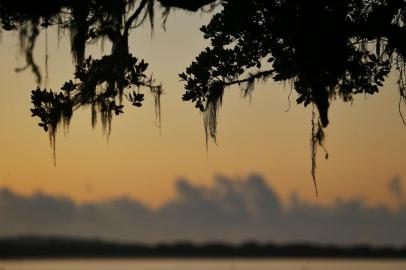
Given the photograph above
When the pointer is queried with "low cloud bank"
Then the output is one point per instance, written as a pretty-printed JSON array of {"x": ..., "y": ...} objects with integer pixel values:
[{"x": 233, "y": 210}]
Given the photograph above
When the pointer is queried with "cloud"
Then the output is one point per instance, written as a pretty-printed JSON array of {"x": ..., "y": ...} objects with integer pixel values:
[{"x": 233, "y": 210}]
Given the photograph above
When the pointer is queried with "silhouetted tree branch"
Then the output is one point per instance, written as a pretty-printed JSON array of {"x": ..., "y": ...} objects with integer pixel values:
[{"x": 327, "y": 49}]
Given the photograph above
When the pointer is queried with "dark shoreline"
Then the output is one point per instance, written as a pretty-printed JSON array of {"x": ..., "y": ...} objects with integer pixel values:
[{"x": 74, "y": 248}]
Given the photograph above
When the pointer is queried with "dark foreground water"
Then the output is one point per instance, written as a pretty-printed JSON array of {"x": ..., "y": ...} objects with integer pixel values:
[{"x": 173, "y": 264}]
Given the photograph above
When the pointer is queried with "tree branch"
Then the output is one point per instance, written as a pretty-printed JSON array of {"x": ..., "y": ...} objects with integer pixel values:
[{"x": 252, "y": 77}]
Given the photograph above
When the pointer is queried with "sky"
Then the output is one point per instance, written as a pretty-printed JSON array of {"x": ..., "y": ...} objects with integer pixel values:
[{"x": 366, "y": 140}]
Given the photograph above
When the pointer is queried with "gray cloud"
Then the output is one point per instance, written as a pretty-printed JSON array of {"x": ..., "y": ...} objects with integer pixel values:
[{"x": 233, "y": 210}]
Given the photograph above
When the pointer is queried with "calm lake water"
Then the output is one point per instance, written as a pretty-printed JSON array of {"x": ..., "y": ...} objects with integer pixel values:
[{"x": 172, "y": 264}]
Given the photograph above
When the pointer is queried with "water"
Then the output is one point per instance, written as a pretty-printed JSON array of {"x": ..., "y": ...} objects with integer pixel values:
[{"x": 198, "y": 264}]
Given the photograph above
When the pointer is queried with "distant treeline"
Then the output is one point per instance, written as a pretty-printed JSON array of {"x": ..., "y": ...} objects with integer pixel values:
[{"x": 59, "y": 247}]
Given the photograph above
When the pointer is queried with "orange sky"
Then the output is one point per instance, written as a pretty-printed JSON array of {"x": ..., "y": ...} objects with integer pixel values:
[{"x": 366, "y": 141}]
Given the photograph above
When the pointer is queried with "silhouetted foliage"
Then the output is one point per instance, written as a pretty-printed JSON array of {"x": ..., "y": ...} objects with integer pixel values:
[
  {"x": 326, "y": 49},
  {"x": 99, "y": 83}
]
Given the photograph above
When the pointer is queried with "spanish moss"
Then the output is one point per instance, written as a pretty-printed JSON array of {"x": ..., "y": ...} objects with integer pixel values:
[
  {"x": 402, "y": 90},
  {"x": 28, "y": 37},
  {"x": 46, "y": 59},
  {"x": 210, "y": 114},
  {"x": 157, "y": 92}
]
